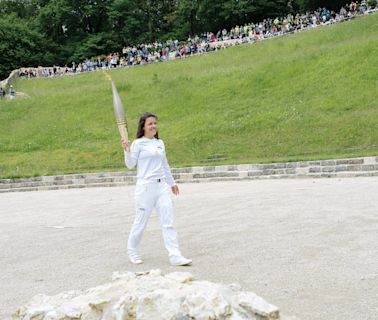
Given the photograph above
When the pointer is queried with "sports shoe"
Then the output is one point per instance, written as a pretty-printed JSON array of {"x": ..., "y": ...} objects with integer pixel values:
[
  {"x": 135, "y": 258},
  {"x": 180, "y": 261}
]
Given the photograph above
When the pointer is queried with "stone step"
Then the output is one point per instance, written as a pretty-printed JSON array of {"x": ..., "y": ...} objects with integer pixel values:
[
  {"x": 195, "y": 180},
  {"x": 285, "y": 176},
  {"x": 65, "y": 182},
  {"x": 65, "y": 187},
  {"x": 355, "y": 167}
]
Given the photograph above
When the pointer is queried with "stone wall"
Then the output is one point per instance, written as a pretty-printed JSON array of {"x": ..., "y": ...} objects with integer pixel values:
[
  {"x": 355, "y": 167},
  {"x": 7, "y": 82}
]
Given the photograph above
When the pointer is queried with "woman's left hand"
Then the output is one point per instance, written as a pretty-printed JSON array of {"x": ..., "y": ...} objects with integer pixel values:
[{"x": 175, "y": 190}]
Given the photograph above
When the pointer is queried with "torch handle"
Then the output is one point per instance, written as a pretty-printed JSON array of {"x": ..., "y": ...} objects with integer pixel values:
[{"x": 122, "y": 127}]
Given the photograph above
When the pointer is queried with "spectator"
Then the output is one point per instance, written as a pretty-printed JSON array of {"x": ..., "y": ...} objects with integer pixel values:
[
  {"x": 343, "y": 12},
  {"x": 12, "y": 93},
  {"x": 2, "y": 93}
]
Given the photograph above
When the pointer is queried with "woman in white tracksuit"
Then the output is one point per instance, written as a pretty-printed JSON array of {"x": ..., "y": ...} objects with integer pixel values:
[{"x": 154, "y": 180}]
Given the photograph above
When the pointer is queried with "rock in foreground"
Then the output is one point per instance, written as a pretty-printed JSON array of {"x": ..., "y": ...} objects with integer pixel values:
[{"x": 151, "y": 295}]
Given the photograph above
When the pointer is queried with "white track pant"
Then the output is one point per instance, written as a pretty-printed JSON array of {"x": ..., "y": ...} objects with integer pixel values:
[{"x": 149, "y": 196}]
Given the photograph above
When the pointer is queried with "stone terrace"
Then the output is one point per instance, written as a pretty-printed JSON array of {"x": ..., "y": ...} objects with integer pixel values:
[{"x": 354, "y": 167}]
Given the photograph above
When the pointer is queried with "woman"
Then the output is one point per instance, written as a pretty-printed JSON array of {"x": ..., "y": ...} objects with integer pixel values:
[{"x": 154, "y": 179}]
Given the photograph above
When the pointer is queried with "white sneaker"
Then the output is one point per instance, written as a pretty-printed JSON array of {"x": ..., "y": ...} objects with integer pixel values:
[
  {"x": 135, "y": 258},
  {"x": 180, "y": 261}
]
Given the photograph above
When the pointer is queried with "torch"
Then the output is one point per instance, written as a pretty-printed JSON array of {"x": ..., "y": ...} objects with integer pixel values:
[{"x": 119, "y": 112}]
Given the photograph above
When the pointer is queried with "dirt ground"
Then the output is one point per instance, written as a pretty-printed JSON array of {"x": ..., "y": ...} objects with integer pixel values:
[{"x": 309, "y": 246}]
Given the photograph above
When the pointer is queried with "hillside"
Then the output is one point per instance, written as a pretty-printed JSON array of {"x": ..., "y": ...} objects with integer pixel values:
[{"x": 312, "y": 95}]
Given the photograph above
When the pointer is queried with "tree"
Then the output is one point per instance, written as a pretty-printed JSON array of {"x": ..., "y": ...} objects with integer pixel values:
[
  {"x": 78, "y": 28},
  {"x": 128, "y": 22},
  {"x": 311, "y": 5},
  {"x": 144, "y": 21},
  {"x": 237, "y": 12},
  {"x": 95, "y": 45},
  {"x": 270, "y": 9},
  {"x": 20, "y": 45},
  {"x": 187, "y": 20},
  {"x": 24, "y": 9},
  {"x": 214, "y": 15}
]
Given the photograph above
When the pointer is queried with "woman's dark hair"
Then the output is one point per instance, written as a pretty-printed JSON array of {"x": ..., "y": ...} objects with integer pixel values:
[{"x": 142, "y": 121}]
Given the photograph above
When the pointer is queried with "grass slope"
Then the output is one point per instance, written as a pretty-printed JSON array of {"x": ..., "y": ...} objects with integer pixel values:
[{"x": 312, "y": 95}]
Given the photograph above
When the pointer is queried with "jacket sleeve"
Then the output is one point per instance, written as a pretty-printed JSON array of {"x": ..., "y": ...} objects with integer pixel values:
[
  {"x": 131, "y": 158},
  {"x": 167, "y": 170}
]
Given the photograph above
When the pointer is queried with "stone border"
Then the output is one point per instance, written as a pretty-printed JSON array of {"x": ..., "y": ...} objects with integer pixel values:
[
  {"x": 353, "y": 167},
  {"x": 7, "y": 82}
]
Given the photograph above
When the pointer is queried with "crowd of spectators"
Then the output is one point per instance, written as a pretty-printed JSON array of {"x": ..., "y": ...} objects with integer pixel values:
[{"x": 207, "y": 42}]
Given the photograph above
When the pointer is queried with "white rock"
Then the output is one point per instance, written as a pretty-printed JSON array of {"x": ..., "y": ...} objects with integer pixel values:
[
  {"x": 123, "y": 275},
  {"x": 183, "y": 277},
  {"x": 150, "y": 295},
  {"x": 257, "y": 305}
]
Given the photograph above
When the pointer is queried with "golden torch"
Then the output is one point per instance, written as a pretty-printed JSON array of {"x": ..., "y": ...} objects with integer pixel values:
[{"x": 119, "y": 113}]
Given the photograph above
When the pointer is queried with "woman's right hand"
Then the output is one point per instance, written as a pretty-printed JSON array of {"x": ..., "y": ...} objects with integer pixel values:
[{"x": 125, "y": 145}]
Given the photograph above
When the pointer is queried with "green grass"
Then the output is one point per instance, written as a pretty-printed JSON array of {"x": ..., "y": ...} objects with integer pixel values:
[{"x": 312, "y": 95}]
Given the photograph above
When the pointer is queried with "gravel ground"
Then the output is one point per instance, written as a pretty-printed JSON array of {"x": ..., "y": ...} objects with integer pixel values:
[{"x": 309, "y": 246}]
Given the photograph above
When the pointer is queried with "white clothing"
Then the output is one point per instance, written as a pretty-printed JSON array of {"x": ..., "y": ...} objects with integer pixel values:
[
  {"x": 147, "y": 196},
  {"x": 152, "y": 191},
  {"x": 149, "y": 156}
]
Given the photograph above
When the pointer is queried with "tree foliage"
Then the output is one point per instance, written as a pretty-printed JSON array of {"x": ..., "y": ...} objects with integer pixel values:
[
  {"x": 332, "y": 5},
  {"x": 20, "y": 43}
]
